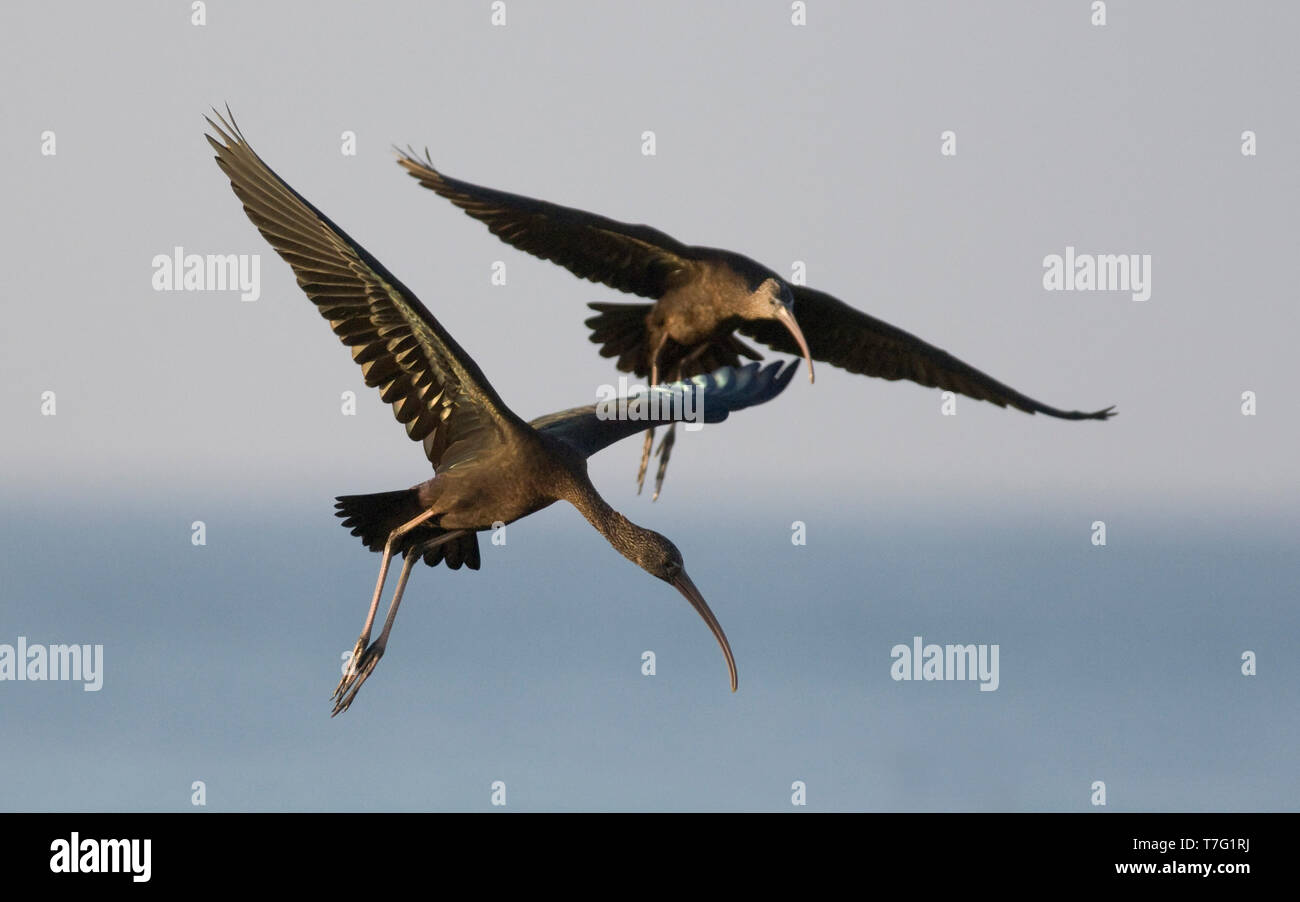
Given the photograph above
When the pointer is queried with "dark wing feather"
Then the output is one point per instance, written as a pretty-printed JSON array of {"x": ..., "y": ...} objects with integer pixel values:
[
  {"x": 436, "y": 390},
  {"x": 848, "y": 338},
  {"x": 708, "y": 398},
  {"x": 632, "y": 258}
]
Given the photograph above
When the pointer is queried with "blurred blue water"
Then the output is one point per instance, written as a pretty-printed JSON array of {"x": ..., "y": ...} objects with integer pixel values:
[{"x": 1119, "y": 664}]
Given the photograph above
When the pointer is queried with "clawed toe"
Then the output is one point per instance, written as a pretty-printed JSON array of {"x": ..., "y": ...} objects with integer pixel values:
[
  {"x": 357, "y": 673},
  {"x": 645, "y": 460},
  {"x": 350, "y": 671}
]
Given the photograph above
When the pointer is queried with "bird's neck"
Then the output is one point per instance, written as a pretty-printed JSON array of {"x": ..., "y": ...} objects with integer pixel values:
[{"x": 619, "y": 530}]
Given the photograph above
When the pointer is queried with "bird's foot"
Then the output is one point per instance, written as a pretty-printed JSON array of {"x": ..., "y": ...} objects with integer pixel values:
[
  {"x": 665, "y": 451},
  {"x": 351, "y": 670},
  {"x": 645, "y": 460},
  {"x": 357, "y": 675}
]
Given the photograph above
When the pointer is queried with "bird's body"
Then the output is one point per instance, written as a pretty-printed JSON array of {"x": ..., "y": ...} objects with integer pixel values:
[
  {"x": 518, "y": 477},
  {"x": 695, "y": 311},
  {"x": 490, "y": 467},
  {"x": 526, "y": 472},
  {"x": 704, "y": 296},
  {"x": 682, "y": 335}
]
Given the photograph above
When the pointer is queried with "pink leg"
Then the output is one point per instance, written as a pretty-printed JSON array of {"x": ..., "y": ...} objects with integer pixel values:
[
  {"x": 364, "y": 640},
  {"x": 364, "y": 664}
]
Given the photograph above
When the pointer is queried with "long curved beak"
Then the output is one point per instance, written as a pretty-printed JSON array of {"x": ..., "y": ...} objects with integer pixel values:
[
  {"x": 786, "y": 318},
  {"x": 687, "y": 588}
]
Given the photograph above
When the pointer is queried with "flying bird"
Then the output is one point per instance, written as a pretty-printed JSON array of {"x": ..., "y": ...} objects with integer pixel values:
[
  {"x": 703, "y": 297},
  {"x": 489, "y": 465}
]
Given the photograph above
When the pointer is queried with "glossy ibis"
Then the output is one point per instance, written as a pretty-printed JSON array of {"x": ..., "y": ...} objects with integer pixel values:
[
  {"x": 703, "y": 296},
  {"x": 490, "y": 466}
]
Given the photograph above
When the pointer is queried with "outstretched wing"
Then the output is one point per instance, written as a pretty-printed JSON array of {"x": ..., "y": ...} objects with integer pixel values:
[
  {"x": 848, "y": 338},
  {"x": 708, "y": 398},
  {"x": 631, "y": 258},
  {"x": 436, "y": 390}
]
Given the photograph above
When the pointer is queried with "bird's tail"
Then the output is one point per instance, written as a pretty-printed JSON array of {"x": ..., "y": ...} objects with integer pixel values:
[
  {"x": 374, "y": 517},
  {"x": 620, "y": 330}
]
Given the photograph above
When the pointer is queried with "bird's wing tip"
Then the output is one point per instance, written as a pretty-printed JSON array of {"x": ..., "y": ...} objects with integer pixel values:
[
  {"x": 225, "y": 126},
  {"x": 410, "y": 158}
]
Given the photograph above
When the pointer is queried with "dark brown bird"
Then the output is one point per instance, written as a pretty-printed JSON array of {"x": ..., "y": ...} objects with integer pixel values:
[
  {"x": 490, "y": 466},
  {"x": 703, "y": 297}
]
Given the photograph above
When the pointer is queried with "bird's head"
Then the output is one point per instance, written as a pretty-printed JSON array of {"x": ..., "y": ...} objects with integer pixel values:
[
  {"x": 773, "y": 299},
  {"x": 658, "y": 556}
]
